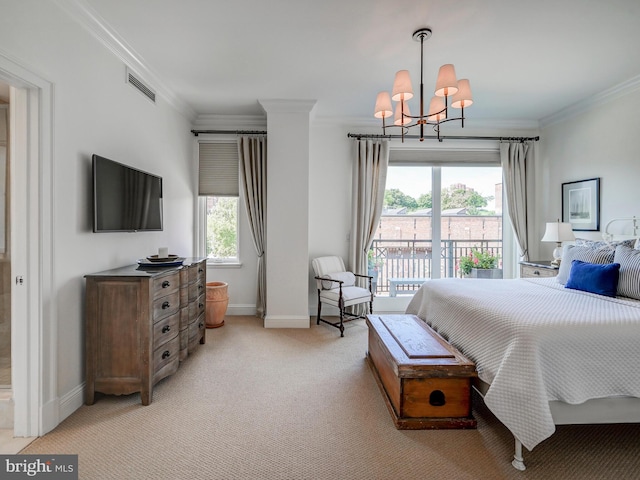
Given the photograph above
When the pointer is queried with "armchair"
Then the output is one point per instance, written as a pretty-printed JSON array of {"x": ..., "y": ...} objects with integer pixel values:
[{"x": 339, "y": 288}]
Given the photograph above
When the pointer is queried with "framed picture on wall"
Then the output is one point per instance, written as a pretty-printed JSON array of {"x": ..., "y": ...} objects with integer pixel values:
[{"x": 581, "y": 204}]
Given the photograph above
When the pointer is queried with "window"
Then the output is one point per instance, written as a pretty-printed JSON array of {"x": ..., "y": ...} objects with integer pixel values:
[
  {"x": 434, "y": 215},
  {"x": 221, "y": 227},
  {"x": 219, "y": 206}
]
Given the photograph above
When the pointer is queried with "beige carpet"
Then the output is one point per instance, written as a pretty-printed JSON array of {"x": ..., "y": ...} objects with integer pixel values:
[{"x": 257, "y": 403}]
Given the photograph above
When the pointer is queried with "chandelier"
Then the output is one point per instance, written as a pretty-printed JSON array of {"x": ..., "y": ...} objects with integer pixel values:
[{"x": 448, "y": 89}]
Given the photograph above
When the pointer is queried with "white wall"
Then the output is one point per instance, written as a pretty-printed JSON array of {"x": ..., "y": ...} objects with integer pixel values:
[
  {"x": 600, "y": 141},
  {"x": 95, "y": 111}
]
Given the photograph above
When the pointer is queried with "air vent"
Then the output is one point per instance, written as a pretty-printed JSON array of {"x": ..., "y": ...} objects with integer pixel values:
[{"x": 147, "y": 91}]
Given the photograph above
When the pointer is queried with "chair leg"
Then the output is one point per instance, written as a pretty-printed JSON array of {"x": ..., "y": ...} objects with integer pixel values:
[{"x": 319, "y": 309}]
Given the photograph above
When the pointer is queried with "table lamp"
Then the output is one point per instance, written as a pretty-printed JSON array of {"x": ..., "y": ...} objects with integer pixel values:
[{"x": 558, "y": 232}]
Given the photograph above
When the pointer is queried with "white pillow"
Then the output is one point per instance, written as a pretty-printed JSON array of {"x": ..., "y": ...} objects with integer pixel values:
[
  {"x": 585, "y": 254},
  {"x": 629, "y": 275},
  {"x": 583, "y": 242},
  {"x": 348, "y": 278}
]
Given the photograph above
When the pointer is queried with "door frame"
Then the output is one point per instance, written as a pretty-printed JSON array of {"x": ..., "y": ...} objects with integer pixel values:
[{"x": 33, "y": 322}]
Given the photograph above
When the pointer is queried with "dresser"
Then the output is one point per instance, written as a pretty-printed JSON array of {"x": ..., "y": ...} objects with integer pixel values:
[
  {"x": 140, "y": 323},
  {"x": 537, "y": 269}
]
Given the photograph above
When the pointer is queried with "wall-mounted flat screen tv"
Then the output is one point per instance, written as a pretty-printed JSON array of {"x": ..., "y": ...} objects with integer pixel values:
[{"x": 125, "y": 199}]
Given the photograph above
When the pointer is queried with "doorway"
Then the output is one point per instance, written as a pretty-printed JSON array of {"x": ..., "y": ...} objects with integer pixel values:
[
  {"x": 33, "y": 327},
  {"x": 6, "y": 396}
]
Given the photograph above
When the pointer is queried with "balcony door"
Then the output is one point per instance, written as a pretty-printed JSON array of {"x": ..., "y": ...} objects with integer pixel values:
[{"x": 433, "y": 215}]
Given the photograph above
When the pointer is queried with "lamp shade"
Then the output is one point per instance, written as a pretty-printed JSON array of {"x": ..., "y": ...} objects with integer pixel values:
[
  {"x": 383, "y": 105},
  {"x": 463, "y": 97},
  {"x": 401, "y": 109},
  {"x": 402, "y": 89},
  {"x": 437, "y": 111},
  {"x": 446, "y": 84},
  {"x": 558, "y": 232}
]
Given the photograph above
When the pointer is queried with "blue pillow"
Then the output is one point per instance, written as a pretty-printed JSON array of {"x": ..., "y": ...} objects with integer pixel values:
[{"x": 594, "y": 277}]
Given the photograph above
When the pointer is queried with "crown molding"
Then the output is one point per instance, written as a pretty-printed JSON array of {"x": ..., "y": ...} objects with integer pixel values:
[
  {"x": 284, "y": 105},
  {"x": 617, "y": 91},
  {"x": 87, "y": 17},
  {"x": 232, "y": 122}
]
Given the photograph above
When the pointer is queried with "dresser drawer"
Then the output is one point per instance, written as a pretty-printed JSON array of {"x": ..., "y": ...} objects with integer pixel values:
[
  {"x": 166, "y": 354},
  {"x": 196, "y": 308},
  {"x": 200, "y": 304},
  {"x": 184, "y": 295},
  {"x": 184, "y": 317},
  {"x": 165, "y": 306},
  {"x": 194, "y": 291},
  {"x": 193, "y": 273},
  {"x": 166, "y": 284},
  {"x": 530, "y": 271},
  {"x": 196, "y": 332},
  {"x": 165, "y": 329}
]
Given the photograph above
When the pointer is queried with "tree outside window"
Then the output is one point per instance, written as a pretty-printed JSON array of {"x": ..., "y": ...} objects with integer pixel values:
[{"x": 222, "y": 228}]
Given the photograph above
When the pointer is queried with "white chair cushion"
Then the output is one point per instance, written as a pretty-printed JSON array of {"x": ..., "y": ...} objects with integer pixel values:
[
  {"x": 350, "y": 295},
  {"x": 348, "y": 278}
]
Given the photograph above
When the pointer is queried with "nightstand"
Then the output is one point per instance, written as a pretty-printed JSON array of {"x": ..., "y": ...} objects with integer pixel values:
[{"x": 537, "y": 269}]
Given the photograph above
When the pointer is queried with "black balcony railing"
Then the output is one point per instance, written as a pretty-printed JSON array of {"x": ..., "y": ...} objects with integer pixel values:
[{"x": 411, "y": 259}]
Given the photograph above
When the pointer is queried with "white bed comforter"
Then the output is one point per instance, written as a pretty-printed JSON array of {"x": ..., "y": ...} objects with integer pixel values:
[{"x": 534, "y": 341}]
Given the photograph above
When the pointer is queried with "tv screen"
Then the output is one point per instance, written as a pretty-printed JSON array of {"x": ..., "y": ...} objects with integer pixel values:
[{"x": 125, "y": 199}]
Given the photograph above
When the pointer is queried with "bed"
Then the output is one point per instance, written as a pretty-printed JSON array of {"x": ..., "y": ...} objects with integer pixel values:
[{"x": 545, "y": 354}]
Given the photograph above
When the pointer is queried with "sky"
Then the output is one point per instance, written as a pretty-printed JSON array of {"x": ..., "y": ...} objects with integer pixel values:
[{"x": 415, "y": 181}]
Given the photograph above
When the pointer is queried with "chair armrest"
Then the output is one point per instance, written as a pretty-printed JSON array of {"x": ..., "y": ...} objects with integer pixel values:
[
  {"x": 327, "y": 279},
  {"x": 320, "y": 279},
  {"x": 363, "y": 276},
  {"x": 369, "y": 282}
]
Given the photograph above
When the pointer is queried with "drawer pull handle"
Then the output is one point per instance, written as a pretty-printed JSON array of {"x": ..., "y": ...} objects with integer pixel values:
[
  {"x": 200, "y": 287},
  {"x": 166, "y": 354},
  {"x": 165, "y": 305},
  {"x": 166, "y": 284},
  {"x": 536, "y": 272},
  {"x": 201, "y": 305},
  {"x": 166, "y": 328},
  {"x": 437, "y": 398},
  {"x": 200, "y": 270},
  {"x": 200, "y": 325}
]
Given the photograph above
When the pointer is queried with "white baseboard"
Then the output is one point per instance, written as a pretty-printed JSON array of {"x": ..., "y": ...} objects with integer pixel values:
[
  {"x": 50, "y": 416},
  {"x": 241, "y": 309},
  {"x": 6, "y": 409},
  {"x": 286, "y": 321},
  {"x": 72, "y": 401}
]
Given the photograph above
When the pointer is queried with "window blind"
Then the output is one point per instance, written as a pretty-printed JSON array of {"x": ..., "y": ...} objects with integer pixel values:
[
  {"x": 218, "y": 169},
  {"x": 441, "y": 157}
]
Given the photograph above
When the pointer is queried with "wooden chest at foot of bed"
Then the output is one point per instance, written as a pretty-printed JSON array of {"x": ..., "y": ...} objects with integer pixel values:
[{"x": 426, "y": 383}]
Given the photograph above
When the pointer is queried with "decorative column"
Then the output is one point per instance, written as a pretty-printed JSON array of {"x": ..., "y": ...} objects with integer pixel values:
[{"x": 287, "y": 260}]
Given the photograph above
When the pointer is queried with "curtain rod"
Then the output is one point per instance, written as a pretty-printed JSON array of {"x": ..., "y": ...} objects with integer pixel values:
[
  {"x": 442, "y": 137},
  {"x": 223, "y": 132}
]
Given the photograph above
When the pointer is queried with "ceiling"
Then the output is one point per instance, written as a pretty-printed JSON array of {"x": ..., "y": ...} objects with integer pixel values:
[{"x": 525, "y": 60}]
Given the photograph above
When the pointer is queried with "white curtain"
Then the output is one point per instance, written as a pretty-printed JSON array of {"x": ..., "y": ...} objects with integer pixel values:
[
  {"x": 368, "y": 184},
  {"x": 518, "y": 175},
  {"x": 252, "y": 153}
]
